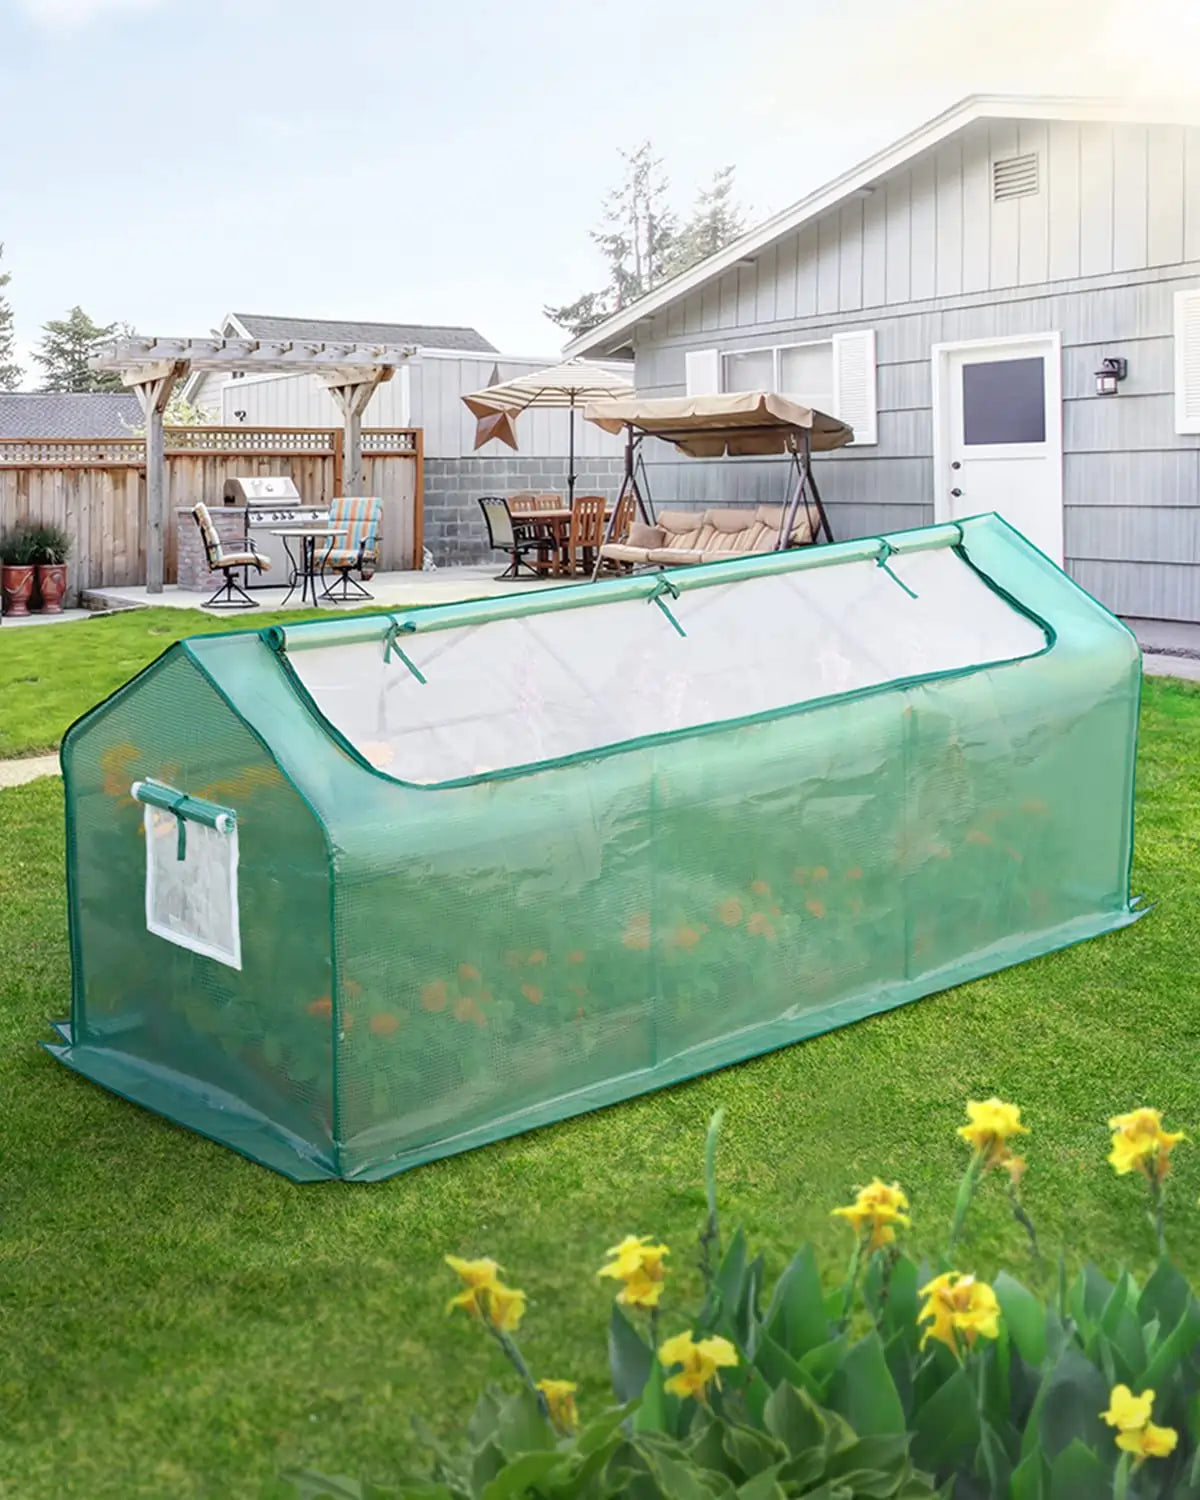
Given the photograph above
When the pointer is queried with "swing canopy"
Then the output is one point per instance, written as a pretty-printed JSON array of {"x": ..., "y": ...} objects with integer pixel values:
[
  {"x": 737, "y": 424},
  {"x": 353, "y": 894}
]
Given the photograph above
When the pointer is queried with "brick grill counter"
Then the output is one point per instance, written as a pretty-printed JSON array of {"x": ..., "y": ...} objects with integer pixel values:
[{"x": 192, "y": 571}]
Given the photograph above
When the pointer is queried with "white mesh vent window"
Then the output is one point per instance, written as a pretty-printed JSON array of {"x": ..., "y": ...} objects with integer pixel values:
[
  {"x": 1015, "y": 177},
  {"x": 192, "y": 878}
]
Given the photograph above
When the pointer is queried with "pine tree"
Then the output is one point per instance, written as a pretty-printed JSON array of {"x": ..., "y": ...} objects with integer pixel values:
[
  {"x": 716, "y": 221},
  {"x": 10, "y": 370},
  {"x": 636, "y": 238},
  {"x": 641, "y": 239},
  {"x": 64, "y": 351}
]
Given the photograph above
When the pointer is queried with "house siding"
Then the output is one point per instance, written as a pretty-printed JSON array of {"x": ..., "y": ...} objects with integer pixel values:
[
  {"x": 1096, "y": 255},
  {"x": 436, "y": 387}
]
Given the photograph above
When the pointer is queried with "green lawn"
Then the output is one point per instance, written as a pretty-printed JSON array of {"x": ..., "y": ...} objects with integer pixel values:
[
  {"x": 175, "y": 1322},
  {"x": 50, "y": 674}
]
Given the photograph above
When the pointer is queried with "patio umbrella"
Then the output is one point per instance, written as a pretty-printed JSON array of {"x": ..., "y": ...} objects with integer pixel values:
[{"x": 563, "y": 386}]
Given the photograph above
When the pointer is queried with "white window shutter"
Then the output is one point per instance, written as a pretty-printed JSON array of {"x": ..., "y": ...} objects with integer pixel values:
[
  {"x": 854, "y": 383},
  {"x": 1187, "y": 361},
  {"x": 703, "y": 372}
]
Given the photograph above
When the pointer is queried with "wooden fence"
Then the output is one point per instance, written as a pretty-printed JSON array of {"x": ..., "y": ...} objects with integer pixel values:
[{"x": 96, "y": 489}]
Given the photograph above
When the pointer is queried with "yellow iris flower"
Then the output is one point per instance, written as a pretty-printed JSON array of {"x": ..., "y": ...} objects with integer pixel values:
[
  {"x": 1136, "y": 1433},
  {"x": 992, "y": 1124},
  {"x": 485, "y": 1295},
  {"x": 701, "y": 1361},
  {"x": 639, "y": 1264},
  {"x": 560, "y": 1399},
  {"x": 877, "y": 1208},
  {"x": 1126, "y": 1411},
  {"x": 958, "y": 1307},
  {"x": 1140, "y": 1144}
]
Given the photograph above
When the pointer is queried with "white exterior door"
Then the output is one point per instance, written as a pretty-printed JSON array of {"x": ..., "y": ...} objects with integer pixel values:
[{"x": 997, "y": 413}]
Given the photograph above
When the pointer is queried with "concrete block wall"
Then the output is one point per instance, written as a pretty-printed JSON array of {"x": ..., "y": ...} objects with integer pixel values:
[{"x": 454, "y": 529}]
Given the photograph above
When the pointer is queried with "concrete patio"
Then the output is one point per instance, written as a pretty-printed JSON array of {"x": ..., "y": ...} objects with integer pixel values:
[{"x": 388, "y": 591}]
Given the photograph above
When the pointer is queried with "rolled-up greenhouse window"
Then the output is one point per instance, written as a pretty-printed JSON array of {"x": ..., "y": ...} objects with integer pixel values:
[{"x": 192, "y": 809}]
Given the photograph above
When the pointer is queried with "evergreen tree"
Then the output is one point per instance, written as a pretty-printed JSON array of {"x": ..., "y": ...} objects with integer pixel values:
[
  {"x": 716, "y": 221},
  {"x": 10, "y": 370},
  {"x": 65, "y": 349},
  {"x": 641, "y": 240},
  {"x": 636, "y": 238}
]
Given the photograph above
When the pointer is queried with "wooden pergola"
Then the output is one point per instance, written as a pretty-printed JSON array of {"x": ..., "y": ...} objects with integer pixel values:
[{"x": 153, "y": 367}]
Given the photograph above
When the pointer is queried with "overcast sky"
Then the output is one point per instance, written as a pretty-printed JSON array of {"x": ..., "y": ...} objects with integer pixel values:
[{"x": 163, "y": 162}]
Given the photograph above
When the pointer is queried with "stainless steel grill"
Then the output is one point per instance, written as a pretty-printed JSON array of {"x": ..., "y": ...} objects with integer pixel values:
[{"x": 271, "y": 500}]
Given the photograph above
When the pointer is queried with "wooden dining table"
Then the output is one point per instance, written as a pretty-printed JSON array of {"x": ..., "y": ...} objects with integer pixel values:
[{"x": 558, "y": 522}]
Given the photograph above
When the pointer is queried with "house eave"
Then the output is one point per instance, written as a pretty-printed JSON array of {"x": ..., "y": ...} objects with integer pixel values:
[{"x": 617, "y": 331}]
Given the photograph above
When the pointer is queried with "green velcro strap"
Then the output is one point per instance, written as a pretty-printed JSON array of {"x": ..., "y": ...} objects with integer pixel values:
[
  {"x": 886, "y": 551},
  {"x": 663, "y": 585},
  {"x": 185, "y": 809},
  {"x": 390, "y": 648}
]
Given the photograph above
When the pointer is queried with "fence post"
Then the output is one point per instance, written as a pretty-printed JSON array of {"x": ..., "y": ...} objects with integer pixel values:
[{"x": 419, "y": 497}]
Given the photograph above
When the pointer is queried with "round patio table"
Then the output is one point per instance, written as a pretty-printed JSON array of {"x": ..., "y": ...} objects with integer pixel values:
[{"x": 305, "y": 568}]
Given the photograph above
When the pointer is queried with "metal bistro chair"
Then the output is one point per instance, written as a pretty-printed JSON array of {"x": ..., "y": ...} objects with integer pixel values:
[
  {"x": 513, "y": 538},
  {"x": 228, "y": 563},
  {"x": 358, "y": 551}
]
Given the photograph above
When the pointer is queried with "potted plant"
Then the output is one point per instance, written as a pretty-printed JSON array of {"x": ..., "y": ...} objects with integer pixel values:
[
  {"x": 50, "y": 547},
  {"x": 16, "y": 569}
]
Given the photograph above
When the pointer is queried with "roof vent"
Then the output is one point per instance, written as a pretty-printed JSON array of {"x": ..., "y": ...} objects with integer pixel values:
[{"x": 1015, "y": 177}]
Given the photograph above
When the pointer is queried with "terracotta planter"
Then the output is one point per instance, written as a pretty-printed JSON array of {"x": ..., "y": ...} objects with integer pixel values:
[
  {"x": 16, "y": 579},
  {"x": 52, "y": 585}
]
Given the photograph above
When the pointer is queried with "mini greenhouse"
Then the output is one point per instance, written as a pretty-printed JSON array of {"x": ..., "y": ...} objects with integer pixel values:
[{"x": 354, "y": 894}]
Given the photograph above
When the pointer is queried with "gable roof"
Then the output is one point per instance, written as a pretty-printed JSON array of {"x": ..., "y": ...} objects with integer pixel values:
[
  {"x": 336, "y": 331},
  {"x": 99, "y": 414},
  {"x": 614, "y": 332}
]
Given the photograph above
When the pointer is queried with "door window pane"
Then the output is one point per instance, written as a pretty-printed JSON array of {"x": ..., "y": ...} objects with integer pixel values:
[
  {"x": 1004, "y": 401},
  {"x": 753, "y": 370},
  {"x": 806, "y": 375}
]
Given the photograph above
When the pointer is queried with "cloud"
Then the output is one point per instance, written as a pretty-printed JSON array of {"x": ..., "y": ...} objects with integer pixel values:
[{"x": 66, "y": 15}]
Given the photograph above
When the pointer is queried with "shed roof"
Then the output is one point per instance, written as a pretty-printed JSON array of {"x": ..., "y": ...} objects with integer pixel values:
[
  {"x": 339, "y": 331},
  {"x": 92, "y": 414}
]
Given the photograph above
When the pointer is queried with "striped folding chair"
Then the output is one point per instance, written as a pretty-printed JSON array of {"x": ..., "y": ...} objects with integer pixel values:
[
  {"x": 356, "y": 552},
  {"x": 228, "y": 563}
]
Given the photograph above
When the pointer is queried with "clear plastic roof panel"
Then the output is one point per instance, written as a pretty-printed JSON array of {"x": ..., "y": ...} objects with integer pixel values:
[{"x": 508, "y": 693}]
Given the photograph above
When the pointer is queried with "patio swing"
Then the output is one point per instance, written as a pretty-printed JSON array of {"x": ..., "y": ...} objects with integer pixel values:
[{"x": 736, "y": 425}]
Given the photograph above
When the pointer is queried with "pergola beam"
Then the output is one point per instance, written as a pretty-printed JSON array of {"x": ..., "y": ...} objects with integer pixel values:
[
  {"x": 290, "y": 356},
  {"x": 152, "y": 366},
  {"x": 352, "y": 391}
]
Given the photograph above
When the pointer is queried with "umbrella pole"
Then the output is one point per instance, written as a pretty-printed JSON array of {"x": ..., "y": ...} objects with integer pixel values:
[{"x": 571, "y": 454}]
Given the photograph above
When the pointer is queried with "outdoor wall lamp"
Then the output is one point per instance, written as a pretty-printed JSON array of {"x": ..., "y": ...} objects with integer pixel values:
[{"x": 1109, "y": 376}]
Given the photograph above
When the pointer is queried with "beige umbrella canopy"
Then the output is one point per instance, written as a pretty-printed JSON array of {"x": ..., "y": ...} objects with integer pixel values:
[{"x": 562, "y": 386}]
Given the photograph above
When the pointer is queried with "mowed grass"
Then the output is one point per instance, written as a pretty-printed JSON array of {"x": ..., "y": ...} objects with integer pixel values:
[
  {"x": 175, "y": 1321},
  {"x": 50, "y": 674}
]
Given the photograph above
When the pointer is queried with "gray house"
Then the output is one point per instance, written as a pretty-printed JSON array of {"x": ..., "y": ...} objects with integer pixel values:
[{"x": 962, "y": 299}]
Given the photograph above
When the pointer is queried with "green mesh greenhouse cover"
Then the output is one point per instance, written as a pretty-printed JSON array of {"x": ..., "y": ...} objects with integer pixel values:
[{"x": 359, "y": 893}]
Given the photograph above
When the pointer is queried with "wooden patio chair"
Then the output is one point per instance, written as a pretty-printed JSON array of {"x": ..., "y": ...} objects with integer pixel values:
[
  {"x": 228, "y": 563},
  {"x": 621, "y": 521},
  {"x": 586, "y": 535},
  {"x": 356, "y": 552}
]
